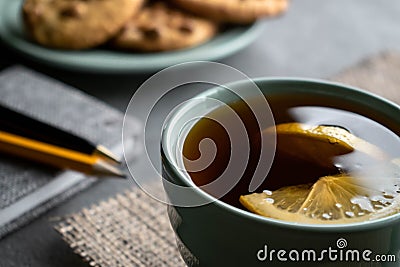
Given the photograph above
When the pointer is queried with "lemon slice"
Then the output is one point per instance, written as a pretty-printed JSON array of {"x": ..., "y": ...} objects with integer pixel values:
[
  {"x": 341, "y": 198},
  {"x": 332, "y": 199},
  {"x": 319, "y": 144}
]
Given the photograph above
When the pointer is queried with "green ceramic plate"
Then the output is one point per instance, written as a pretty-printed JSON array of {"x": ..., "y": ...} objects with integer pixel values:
[{"x": 102, "y": 60}]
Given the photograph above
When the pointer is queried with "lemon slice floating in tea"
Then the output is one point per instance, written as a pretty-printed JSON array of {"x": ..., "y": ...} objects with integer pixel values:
[
  {"x": 319, "y": 144},
  {"x": 332, "y": 199}
]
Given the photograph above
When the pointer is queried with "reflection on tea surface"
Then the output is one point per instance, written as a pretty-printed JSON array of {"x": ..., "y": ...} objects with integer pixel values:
[{"x": 332, "y": 164}]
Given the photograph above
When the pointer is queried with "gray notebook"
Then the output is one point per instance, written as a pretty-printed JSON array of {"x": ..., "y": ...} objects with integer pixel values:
[{"x": 28, "y": 189}]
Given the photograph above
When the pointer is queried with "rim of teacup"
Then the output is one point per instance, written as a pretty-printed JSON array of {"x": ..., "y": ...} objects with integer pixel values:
[{"x": 352, "y": 93}]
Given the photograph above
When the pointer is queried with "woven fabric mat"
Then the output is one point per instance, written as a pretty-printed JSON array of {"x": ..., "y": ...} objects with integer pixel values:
[
  {"x": 132, "y": 229},
  {"x": 379, "y": 75}
]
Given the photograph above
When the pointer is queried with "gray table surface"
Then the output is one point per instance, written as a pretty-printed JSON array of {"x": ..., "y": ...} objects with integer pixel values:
[{"x": 314, "y": 39}]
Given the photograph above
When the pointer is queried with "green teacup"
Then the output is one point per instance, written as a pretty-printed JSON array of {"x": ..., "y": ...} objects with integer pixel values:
[{"x": 219, "y": 234}]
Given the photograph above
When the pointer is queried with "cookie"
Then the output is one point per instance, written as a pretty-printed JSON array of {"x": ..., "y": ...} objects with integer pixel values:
[
  {"x": 161, "y": 27},
  {"x": 76, "y": 24},
  {"x": 233, "y": 11}
]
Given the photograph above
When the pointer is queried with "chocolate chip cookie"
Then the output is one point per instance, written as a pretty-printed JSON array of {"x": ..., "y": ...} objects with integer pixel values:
[
  {"x": 234, "y": 11},
  {"x": 76, "y": 24},
  {"x": 161, "y": 27}
]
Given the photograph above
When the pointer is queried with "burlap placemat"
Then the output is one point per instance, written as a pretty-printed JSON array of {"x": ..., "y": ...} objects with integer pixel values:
[
  {"x": 379, "y": 75},
  {"x": 132, "y": 229}
]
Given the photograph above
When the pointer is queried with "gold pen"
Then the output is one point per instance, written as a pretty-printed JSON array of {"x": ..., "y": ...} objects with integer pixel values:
[{"x": 56, "y": 156}]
